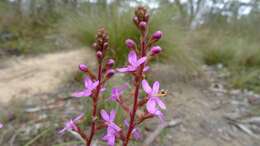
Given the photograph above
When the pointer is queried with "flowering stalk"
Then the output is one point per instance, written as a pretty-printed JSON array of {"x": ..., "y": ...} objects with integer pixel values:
[{"x": 138, "y": 59}]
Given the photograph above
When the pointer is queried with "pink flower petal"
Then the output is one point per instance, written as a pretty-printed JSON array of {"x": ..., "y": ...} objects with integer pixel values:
[
  {"x": 156, "y": 86},
  {"x": 137, "y": 134},
  {"x": 62, "y": 131},
  {"x": 1, "y": 125},
  {"x": 78, "y": 94},
  {"x": 124, "y": 69},
  {"x": 146, "y": 68},
  {"x": 141, "y": 61},
  {"x": 114, "y": 126},
  {"x": 104, "y": 115},
  {"x": 131, "y": 68},
  {"x": 111, "y": 140},
  {"x": 112, "y": 115},
  {"x": 87, "y": 82},
  {"x": 160, "y": 115},
  {"x": 151, "y": 106},
  {"x": 80, "y": 116},
  {"x": 146, "y": 87},
  {"x": 160, "y": 103},
  {"x": 132, "y": 58},
  {"x": 94, "y": 85}
]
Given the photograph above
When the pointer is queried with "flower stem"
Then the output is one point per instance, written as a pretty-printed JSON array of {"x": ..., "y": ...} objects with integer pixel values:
[
  {"x": 138, "y": 80},
  {"x": 94, "y": 106}
]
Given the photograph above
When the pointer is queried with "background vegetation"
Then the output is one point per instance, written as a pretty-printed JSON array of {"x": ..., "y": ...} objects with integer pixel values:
[{"x": 196, "y": 31}]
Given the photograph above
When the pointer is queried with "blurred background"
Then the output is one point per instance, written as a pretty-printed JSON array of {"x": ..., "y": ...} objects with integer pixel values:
[{"x": 210, "y": 58}]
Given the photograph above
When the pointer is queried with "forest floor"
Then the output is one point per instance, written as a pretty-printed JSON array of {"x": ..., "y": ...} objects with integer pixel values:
[{"x": 210, "y": 112}]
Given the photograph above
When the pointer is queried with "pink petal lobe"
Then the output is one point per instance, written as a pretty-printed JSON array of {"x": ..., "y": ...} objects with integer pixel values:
[
  {"x": 146, "y": 87},
  {"x": 104, "y": 115},
  {"x": 80, "y": 116},
  {"x": 141, "y": 61},
  {"x": 132, "y": 58},
  {"x": 87, "y": 82},
  {"x": 112, "y": 115},
  {"x": 111, "y": 140},
  {"x": 160, "y": 103},
  {"x": 114, "y": 126},
  {"x": 146, "y": 68},
  {"x": 94, "y": 85},
  {"x": 156, "y": 86},
  {"x": 151, "y": 106},
  {"x": 124, "y": 69},
  {"x": 160, "y": 115},
  {"x": 78, "y": 94}
]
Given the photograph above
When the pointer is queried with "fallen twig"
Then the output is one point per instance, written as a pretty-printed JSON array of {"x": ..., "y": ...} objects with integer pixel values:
[
  {"x": 37, "y": 137},
  {"x": 242, "y": 127},
  {"x": 148, "y": 141}
]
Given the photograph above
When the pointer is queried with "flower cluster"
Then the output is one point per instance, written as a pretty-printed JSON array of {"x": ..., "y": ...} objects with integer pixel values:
[{"x": 149, "y": 104}]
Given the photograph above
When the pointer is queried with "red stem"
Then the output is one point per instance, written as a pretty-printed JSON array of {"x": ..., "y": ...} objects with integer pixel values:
[
  {"x": 138, "y": 79},
  {"x": 94, "y": 106}
]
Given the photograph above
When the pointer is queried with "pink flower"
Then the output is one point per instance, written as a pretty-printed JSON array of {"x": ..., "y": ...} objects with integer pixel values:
[
  {"x": 117, "y": 92},
  {"x": 112, "y": 128},
  {"x": 136, "y": 132},
  {"x": 134, "y": 62},
  {"x": 154, "y": 99},
  {"x": 110, "y": 137},
  {"x": 89, "y": 87},
  {"x": 70, "y": 125},
  {"x": 109, "y": 120},
  {"x": 1, "y": 125}
]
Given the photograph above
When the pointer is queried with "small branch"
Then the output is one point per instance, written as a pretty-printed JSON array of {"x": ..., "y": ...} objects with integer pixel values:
[{"x": 148, "y": 141}]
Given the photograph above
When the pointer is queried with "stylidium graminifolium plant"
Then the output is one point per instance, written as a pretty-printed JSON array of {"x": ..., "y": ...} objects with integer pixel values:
[{"x": 148, "y": 106}]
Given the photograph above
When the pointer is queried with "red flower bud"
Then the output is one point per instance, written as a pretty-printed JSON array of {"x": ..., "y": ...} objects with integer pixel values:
[
  {"x": 83, "y": 67},
  {"x": 156, "y": 50},
  {"x": 157, "y": 35},
  {"x": 135, "y": 19},
  {"x": 99, "y": 54},
  {"x": 143, "y": 25},
  {"x": 110, "y": 63},
  {"x": 110, "y": 73},
  {"x": 130, "y": 44},
  {"x": 105, "y": 45}
]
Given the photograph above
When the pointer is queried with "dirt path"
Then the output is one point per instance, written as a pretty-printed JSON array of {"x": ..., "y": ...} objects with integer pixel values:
[
  {"x": 203, "y": 113},
  {"x": 25, "y": 77}
]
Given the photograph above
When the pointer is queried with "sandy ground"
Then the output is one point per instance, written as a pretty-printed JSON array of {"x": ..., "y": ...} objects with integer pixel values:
[
  {"x": 201, "y": 111},
  {"x": 24, "y": 77}
]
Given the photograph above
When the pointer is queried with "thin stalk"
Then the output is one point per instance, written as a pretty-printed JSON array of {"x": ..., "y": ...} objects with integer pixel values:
[
  {"x": 138, "y": 79},
  {"x": 94, "y": 107}
]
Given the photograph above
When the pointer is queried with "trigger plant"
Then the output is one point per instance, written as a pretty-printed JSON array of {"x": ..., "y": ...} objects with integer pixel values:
[{"x": 143, "y": 100}]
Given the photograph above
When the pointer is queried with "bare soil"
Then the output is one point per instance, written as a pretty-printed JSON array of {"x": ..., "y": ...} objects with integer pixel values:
[
  {"x": 202, "y": 112},
  {"x": 26, "y": 77}
]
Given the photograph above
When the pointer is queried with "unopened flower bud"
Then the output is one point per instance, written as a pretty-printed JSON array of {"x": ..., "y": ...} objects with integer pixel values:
[
  {"x": 105, "y": 45},
  {"x": 135, "y": 19},
  {"x": 110, "y": 73},
  {"x": 94, "y": 45},
  {"x": 146, "y": 17},
  {"x": 155, "y": 50},
  {"x": 110, "y": 62},
  {"x": 130, "y": 44},
  {"x": 143, "y": 25},
  {"x": 83, "y": 67},
  {"x": 99, "y": 54},
  {"x": 157, "y": 35}
]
